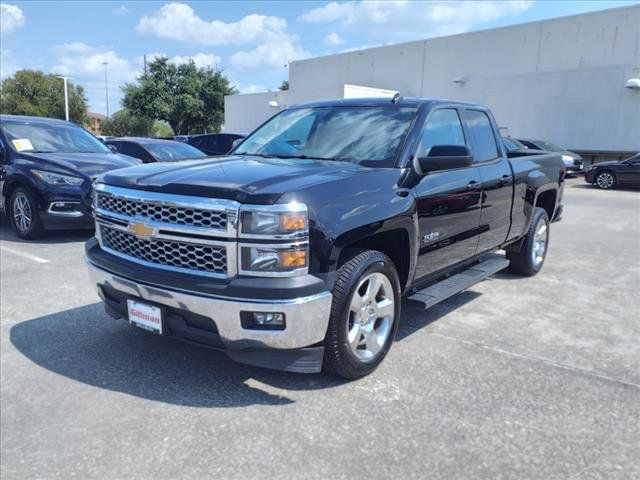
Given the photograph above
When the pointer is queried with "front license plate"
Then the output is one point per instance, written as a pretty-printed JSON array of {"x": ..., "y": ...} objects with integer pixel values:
[{"x": 145, "y": 316}]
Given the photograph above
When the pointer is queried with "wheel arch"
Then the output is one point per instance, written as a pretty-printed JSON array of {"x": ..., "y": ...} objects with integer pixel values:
[{"x": 397, "y": 243}]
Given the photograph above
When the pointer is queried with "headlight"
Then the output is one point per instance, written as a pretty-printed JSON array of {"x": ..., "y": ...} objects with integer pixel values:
[
  {"x": 56, "y": 178},
  {"x": 273, "y": 260},
  {"x": 275, "y": 221},
  {"x": 567, "y": 159}
]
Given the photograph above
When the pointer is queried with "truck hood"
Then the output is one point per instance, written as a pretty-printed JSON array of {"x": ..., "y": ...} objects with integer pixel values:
[
  {"x": 87, "y": 164},
  {"x": 245, "y": 179}
]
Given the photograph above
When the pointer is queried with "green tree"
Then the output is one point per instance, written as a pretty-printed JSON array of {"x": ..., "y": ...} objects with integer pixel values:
[
  {"x": 31, "y": 92},
  {"x": 188, "y": 98},
  {"x": 124, "y": 123},
  {"x": 284, "y": 85},
  {"x": 161, "y": 129}
]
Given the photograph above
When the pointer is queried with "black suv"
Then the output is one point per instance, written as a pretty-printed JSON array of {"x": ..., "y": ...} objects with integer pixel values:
[{"x": 46, "y": 170}]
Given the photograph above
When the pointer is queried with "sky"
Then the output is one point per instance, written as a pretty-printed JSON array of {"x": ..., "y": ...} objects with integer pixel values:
[{"x": 252, "y": 42}]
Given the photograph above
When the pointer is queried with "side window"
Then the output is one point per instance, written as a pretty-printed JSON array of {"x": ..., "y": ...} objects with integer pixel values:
[
  {"x": 212, "y": 144},
  {"x": 484, "y": 141},
  {"x": 225, "y": 143},
  {"x": 131, "y": 149},
  {"x": 443, "y": 127}
]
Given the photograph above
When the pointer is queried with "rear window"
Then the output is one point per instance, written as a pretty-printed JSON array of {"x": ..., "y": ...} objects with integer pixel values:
[{"x": 484, "y": 141}]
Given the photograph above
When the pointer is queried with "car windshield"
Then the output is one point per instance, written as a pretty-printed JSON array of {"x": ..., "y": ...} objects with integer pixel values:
[
  {"x": 51, "y": 138},
  {"x": 369, "y": 136},
  {"x": 173, "y": 151},
  {"x": 549, "y": 147}
]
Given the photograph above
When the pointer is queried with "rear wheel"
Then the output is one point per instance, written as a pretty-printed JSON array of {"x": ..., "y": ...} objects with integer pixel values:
[
  {"x": 364, "y": 315},
  {"x": 23, "y": 214},
  {"x": 605, "y": 180},
  {"x": 529, "y": 260}
]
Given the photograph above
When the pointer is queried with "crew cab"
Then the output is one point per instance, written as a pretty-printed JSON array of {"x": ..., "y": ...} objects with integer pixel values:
[
  {"x": 46, "y": 169},
  {"x": 294, "y": 251}
]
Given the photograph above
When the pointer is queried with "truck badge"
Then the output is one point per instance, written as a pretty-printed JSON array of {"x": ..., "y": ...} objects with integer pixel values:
[{"x": 141, "y": 229}]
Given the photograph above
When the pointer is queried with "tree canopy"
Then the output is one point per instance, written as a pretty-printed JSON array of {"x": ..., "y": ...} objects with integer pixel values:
[
  {"x": 190, "y": 99},
  {"x": 284, "y": 85},
  {"x": 124, "y": 123},
  {"x": 32, "y": 92}
]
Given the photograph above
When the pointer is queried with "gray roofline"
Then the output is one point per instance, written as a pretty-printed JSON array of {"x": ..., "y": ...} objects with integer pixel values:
[{"x": 471, "y": 32}]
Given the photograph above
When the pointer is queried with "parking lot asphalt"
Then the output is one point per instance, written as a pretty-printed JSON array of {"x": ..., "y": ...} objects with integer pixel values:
[{"x": 515, "y": 378}]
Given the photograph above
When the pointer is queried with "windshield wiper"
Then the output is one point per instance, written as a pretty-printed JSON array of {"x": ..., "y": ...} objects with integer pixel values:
[{"x": 303, "y": 157}]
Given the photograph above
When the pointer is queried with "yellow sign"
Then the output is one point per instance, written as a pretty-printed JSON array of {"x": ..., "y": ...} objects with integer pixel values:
[{"x": 22, "y": 144}]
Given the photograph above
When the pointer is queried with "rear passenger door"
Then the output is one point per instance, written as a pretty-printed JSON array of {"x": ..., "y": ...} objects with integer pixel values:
[
  {"x": 496, "y": 179},
  {"x": 448, "y": 202}
]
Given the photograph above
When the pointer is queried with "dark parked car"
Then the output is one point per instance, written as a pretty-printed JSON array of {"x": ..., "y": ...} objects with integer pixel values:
[
  {"x": 572, "y": 161},
  {"x": 515, "y": 148},
  {"x": 154, "y": 150},
  {"x": 215, "y": 143},
  {"x": 46, "y": 170},
  {"x": 606, "y": 175},
  {"x": 294, "y": 252}
]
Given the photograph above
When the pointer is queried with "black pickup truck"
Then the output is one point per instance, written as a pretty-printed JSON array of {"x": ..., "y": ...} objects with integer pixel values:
[{"x": 294, "y": 251}]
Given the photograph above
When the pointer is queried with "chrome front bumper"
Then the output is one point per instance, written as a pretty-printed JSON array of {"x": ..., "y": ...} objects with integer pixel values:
[{"x": 307, "y": 318}]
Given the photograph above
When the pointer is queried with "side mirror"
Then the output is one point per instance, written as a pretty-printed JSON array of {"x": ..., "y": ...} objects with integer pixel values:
[
  {"x": 112, "y": 148},
  {"x": 444, "y": 157}
]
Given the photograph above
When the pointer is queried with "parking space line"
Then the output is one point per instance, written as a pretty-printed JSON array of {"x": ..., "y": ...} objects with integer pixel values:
[{"x": 24, "y": 254}]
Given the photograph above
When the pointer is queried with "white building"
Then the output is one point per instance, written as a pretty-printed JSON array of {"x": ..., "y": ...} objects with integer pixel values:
[{"x": 561, "y": 80}]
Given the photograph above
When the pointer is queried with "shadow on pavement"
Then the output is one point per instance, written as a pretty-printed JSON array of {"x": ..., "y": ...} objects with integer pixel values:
[
  {"x": 414, "y": 317},
  {"x": 86, "y": 345}
]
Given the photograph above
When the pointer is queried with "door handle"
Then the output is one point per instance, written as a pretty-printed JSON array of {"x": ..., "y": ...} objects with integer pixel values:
[
  {"x": 473, "y": 185},
  {"x": 505, "y": 180}
]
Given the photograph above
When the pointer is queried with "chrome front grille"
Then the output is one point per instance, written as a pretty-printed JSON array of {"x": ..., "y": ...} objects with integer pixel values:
[
  {"x": 159, "y": 212},
  {"x": 181, "y": 255},
  {"x": 183, "y": 233}
]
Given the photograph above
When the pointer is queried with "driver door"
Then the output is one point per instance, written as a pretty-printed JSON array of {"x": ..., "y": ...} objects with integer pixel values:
[{"x": 448, "y": 202}]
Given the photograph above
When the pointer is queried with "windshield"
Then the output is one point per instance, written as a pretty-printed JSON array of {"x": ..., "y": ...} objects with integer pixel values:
[
  {"x": 549, "y": 147},
  {"x": 172, "y": 151},
  {"x": 51, "y": 138},
  {"x": 369, "y": 136}
]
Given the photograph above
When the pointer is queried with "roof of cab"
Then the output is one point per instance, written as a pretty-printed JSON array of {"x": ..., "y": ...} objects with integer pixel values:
[{"x": 386, "y": 102}]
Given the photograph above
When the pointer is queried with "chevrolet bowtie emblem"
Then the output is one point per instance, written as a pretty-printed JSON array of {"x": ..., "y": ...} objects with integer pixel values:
[{"x": 141, "y": 229}]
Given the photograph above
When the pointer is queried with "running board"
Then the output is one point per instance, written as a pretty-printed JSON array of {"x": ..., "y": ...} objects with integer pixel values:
[{"x": 448, "y": 287}]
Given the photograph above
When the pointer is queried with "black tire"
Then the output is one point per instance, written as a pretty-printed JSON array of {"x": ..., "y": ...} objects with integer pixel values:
[
  {"x": 605, "y": 180},
  {"x": 34, "y": 228},
  {"x": 339, "y": 358},
  {"x": 522, "y": 262}
]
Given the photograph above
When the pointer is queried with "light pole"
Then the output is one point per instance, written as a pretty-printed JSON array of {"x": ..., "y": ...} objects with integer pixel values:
[
  {"x": 66, "y": 97},
  {"x": 106, "y": 86}
]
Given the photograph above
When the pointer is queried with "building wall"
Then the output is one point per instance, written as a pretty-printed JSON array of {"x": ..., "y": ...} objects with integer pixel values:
[{"x": 560, "y": 79}]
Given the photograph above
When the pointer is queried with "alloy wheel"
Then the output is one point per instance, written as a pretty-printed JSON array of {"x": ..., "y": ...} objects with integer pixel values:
[
  {"x": 540, "y": 242},
  {"x": 22, "y": 214},
  {"x": 605, "y": 180},
  {"x": 371, "y": 316}
]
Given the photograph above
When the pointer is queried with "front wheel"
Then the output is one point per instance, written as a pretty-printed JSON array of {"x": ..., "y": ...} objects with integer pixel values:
[
  {"x": 606, "y": 180},
  {"x": 364, "y": 315},
  {"x": 533, "y": 252},
  {"x": 23, "y": 213}
]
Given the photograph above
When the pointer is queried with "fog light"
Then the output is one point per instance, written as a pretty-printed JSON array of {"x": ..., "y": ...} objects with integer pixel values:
[{"x": 262, "y": 320}]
